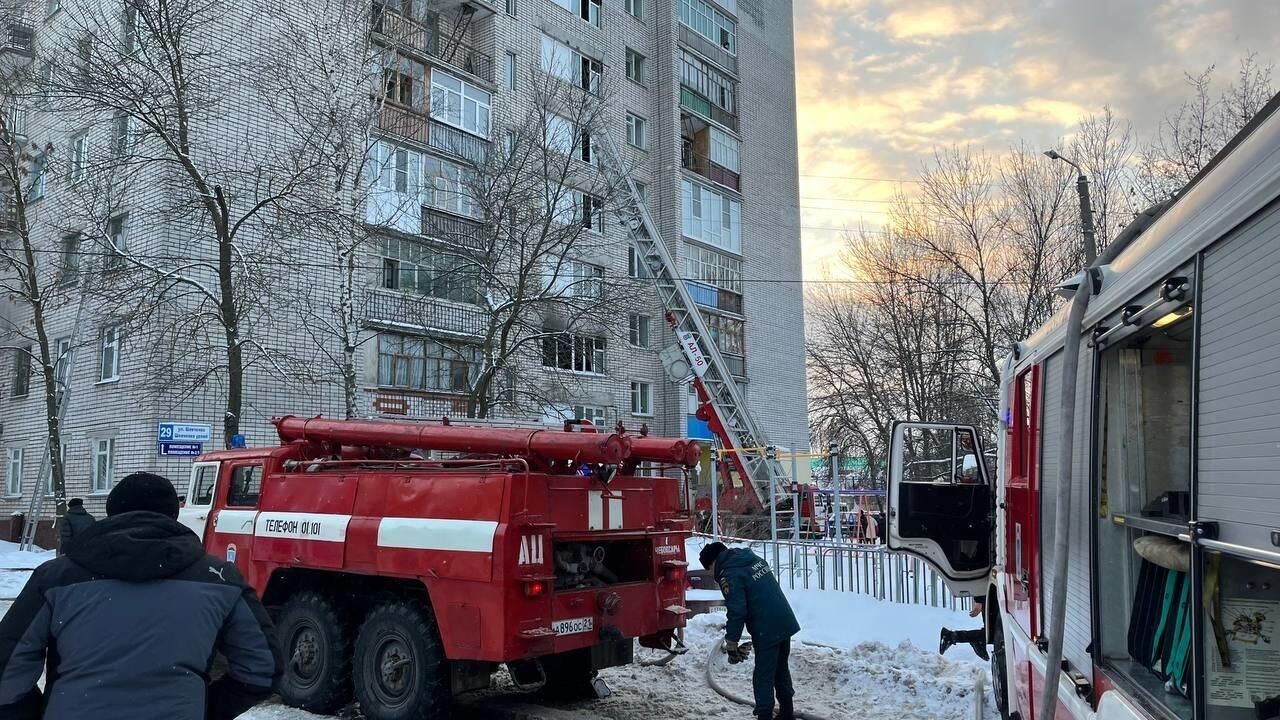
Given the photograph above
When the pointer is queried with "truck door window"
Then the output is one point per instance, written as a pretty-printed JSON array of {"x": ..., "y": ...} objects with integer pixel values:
[
  {"x": 1241, "y": 636},
  {"x": 1143, "y": 456},
  {"x": 246, "y": 484},
  {"x": 944, "y": 495},
  {"x": 202, "y": 487}
]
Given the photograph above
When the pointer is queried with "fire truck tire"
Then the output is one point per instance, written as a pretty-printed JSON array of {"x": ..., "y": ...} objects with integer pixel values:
[
  {"x": 569, "y": 675},
  {"x": 400, "y": 666},
  {"x": 316, "y": 641},
  {"x": 1000, "y": 677}
]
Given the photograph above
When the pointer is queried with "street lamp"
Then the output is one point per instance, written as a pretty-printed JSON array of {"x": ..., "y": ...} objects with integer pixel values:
[{"x": 1086, "y": 208}]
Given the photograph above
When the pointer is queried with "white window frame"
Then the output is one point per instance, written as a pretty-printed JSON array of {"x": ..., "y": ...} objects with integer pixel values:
[
  {"x": 725, "y": 149},
  {"x": 637, "y": 67},
  {"x": 109, "y": 354},
  {"x": 637, "y": 131},
  {"x": 597, "y": 415},
  {"x": 634, "y": 8},
  {"x": 641, "y": 398},
  {"x": 636, "y": 267},
  {"x": 510, "y": 71},
  {"x": 710, "y": 23},
  {"x": 13, "y": 472},
  {"x": 457, "y": 103},
  {"x": 578, "y": 279},
  {"x": 39, "y": 182},
  {"x": 102, "y": 461},
  {"x": 62, "y": 363},
  {"x": 710, "y": 216},
  {"x": 564, "y": 62},
  {"x": 51, "y": 7},
  {"x": 587, "y": 354},
  {"x": 118, "y": 234},
  {"x": 713, "y": 267},
  {"x": 640, "y": 330},
  {"x": 17, "y": 120},
  {"x": 79, "y": 157}
]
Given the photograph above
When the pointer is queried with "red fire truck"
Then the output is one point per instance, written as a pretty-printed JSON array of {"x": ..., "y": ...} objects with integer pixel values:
[
  {"x": 403, "y": 579},
  {"x": 1168, "y": 589}
]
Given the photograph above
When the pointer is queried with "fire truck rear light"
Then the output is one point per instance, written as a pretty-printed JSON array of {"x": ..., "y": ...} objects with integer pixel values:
[
  {"x": 676, "y": 570},
  {"x": 535, "y": 588}
]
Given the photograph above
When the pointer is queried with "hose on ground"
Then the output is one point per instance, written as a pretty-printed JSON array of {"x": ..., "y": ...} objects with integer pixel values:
[{"x": 722, "y": 691}]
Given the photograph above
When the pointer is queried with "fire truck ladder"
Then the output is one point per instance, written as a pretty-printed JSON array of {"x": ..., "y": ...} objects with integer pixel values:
[{"x": 718, "y": 392}]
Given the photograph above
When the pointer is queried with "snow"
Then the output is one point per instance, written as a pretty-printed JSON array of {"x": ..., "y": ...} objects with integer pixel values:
[{"x": 16, "y": 566}]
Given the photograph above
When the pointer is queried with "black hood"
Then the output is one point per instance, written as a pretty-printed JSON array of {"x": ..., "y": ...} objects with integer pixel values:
[
  {"x": 736, "y": 558},
  {"x": 136, "y": 546}
]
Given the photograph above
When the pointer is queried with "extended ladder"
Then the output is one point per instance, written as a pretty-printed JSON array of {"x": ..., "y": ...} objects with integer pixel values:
[{"x": 721, "y": 400}]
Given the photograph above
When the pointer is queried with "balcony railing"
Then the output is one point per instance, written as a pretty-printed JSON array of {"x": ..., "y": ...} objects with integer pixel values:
[
  {"x": 708, "y": 49},
  {"x": 422, "y": 129},
  {"x": 17, "y": 41},
  {"x": 708, "y": 168},
  {"x": 430, "y": 42},
  {"x": 715, "y": 298},
  {"x": 401, "y": 310},
  {"x": 451, "y": 229},
  {"x": 736, "y": 363},
  {"x": 691, "y": 100}
]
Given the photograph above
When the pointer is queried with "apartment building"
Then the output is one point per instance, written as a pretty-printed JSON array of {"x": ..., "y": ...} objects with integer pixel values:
[{"x": 698, "y": 96}]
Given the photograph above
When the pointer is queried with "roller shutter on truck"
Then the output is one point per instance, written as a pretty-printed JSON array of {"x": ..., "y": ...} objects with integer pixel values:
[
  {"x": 1078, "y": 629},
  {"x": 1239, "y": 410}
]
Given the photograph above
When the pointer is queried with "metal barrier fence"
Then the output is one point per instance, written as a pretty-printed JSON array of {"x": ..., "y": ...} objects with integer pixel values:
[{"x": 861, "y": 569}]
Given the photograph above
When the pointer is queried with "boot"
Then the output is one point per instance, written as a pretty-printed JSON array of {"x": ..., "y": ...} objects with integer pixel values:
[{"x": 786, "y": 711}]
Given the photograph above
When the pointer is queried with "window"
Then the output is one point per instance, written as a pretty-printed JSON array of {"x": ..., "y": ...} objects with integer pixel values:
[
  {"x": 637, "y": 67},
  {"x": 13, "y": 479},
  {"x": 588, "y": 10},
  {"x": 118, "y": 235},
  {"x": 574, "y": 278},
  {"x": 570, "y": 65},
  {"x": 133, "y": 28},
  {"x": 22, "y": 370},
  {"x": 571, "y": 351},
  {"x": 79, "y": 157},
  {"x": 69, "y": 269},
  {"x": 710, "y": 23},
  {"x": 636, "y": 267},
  {"x": 642, "y": 190},
  {"x": 62, "y": 364},
  {"x": 39, "y": 166},
  {"x": 17, "y": 121},
  {"x": 460, "y": 104},
  {"x": 417, "y": 267},
  {"x": 587, "y": 412},
  {"x": 511, "y": 8},
  {"x": 712, "y": 267},
  {"x": 124, "y": 134},
  {"x": 728, "y": 334},
  {"x": 51, "y": 7},
  {"x": 575, "y": 206},
  {"x": 109, "y": 354},
  {"x": 641, "y": 398},
  {"x": 708, "y": 82},
  {"x": 711, "y": 217},
  {"x": 403, "y": 83},
  {"x": 103, "y": 465},
  {"x": 724, "y": 149},
  {"x": 246, "y": 486},
  {"x": 640, "y": 330},
  {"x": 511, "y": 71},
  {"x": 201, "y": 492},
  {"x": 423, "y": 363},
  {"x": 404, "y": 180},
  {"x": 634, "y": 8},
  {"x": 637, "y": 131}
]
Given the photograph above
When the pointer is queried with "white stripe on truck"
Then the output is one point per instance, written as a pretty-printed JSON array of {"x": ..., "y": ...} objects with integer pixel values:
[{"x": 432, "y": 534}]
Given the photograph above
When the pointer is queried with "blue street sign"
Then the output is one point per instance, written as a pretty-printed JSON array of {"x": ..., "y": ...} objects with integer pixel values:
[
  {"x": 181, "y": 449},
  {"x": 177, "y": 432}
]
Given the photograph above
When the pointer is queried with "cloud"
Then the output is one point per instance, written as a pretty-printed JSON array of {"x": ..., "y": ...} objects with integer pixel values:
[{"x": 944, "y": 20}]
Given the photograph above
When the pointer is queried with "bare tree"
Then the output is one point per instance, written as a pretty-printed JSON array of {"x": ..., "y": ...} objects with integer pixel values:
[{"x": 159, "y": 73}]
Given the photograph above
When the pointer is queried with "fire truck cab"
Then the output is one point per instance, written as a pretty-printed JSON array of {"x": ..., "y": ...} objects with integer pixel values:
[
  {"x": 400, "y": 579},
  {"x": 1171, "y": 594}
]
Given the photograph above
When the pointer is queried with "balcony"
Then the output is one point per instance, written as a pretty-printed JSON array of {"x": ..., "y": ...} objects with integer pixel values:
[
  {"x": 708, "y": 49},
  {"x": 407, "y": 310},
  {"x": 433, "y": 133},
  {"x": 715, "y": 298},
  {"x": 17, "y": 45},
  {"x": 736, "y": 363},
  {"x": 451, "y": 229},
  {"x": 708, "y": 168},
  {"x": 691, "y": 100},
  {"x": 428, "y": 41}
]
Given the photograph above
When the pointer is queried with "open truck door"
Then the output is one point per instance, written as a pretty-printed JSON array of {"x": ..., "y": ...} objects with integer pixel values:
[{"x": 940, "y": 505}]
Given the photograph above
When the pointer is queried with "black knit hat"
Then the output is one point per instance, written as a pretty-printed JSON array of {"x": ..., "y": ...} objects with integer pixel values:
[
  {"x": 75, "y": 502},
  {"x": 143, "y": 491},
  {"x": 711, "y": 553}
]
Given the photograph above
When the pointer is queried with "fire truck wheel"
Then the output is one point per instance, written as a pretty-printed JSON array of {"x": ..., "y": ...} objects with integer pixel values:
[
  {"x": 316, "y": 642},
  {"x": 1000, "y": 678},
  {"x": 569, "y": 675},
  {"x": 400, "y": 671}
]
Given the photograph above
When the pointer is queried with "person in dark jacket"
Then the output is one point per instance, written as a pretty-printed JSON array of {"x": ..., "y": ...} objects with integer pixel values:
[
  {"x": 75, "y": 522},
  {"x": 126, "y": 624},
  {"x": 755, "y": 600}
]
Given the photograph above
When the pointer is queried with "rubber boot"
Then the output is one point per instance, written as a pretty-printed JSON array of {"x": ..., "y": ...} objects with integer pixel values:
[{"x": 786, "y": 710}]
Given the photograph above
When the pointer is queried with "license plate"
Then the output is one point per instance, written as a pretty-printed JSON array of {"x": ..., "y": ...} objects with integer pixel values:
[{"x": 574, "y": 626}]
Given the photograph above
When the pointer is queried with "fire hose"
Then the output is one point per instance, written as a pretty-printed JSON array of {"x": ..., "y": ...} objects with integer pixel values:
[{"x": 716, "y": 651}]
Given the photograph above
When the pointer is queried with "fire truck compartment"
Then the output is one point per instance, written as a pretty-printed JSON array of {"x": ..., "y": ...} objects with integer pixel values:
[{"x": 580, "y": 565}]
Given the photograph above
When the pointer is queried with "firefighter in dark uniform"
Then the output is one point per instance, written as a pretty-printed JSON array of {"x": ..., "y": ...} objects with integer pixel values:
[{"x": 755, "y": 600}]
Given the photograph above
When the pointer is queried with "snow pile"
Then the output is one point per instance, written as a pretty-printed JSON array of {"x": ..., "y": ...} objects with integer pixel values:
[{"x": 16, "y": 566}]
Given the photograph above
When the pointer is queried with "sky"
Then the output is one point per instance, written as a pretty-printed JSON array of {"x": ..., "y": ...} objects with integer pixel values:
[{"x": 881, "y": 83}]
